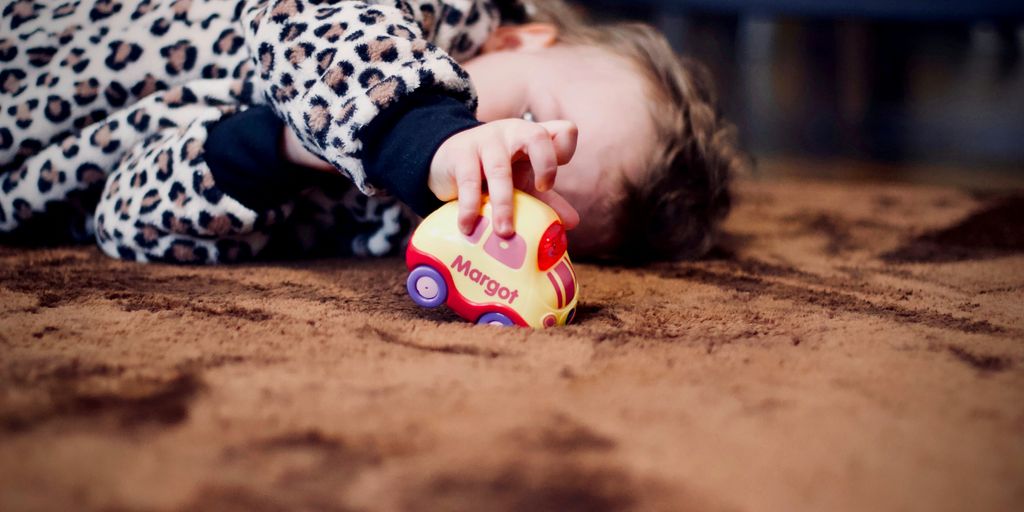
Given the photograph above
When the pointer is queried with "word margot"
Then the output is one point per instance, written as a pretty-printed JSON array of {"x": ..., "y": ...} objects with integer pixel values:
[{"x": 491, "y": 287}]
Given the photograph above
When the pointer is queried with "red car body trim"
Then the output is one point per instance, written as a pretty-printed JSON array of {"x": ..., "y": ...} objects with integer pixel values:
[{"x": 464, "y": 308}]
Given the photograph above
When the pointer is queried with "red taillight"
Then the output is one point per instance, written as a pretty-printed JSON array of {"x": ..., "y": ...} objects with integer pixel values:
[{"x": 552, "y": 246}]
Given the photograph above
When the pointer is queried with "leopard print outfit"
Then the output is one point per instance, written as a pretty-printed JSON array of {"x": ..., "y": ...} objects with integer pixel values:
[{"x": 105, "y": 106}]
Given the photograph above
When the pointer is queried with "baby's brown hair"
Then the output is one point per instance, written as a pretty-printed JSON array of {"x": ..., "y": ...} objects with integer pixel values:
[{"x": 674, "y": 213}]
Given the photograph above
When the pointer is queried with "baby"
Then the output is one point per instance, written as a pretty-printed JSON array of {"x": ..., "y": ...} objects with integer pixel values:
[{"x": 232, "y": 149}]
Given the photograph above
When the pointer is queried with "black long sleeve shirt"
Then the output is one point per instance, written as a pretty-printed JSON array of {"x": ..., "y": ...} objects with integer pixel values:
[{"x": 244, "y": 152}]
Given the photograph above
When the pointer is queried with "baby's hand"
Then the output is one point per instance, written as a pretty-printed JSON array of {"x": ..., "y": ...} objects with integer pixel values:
[{"x": 511, "y": 153}]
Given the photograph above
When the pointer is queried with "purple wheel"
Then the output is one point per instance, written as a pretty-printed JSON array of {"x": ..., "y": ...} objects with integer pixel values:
[
  {"x": 495, "y": 319},
  {"x": 426, "y": 286}
]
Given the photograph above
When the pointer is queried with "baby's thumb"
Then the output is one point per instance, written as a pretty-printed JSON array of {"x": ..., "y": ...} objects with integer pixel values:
[{"x": 563, "y": 136}]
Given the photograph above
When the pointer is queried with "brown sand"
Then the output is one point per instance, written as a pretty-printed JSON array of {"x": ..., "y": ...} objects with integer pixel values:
[{"x": 854, "y": 347}]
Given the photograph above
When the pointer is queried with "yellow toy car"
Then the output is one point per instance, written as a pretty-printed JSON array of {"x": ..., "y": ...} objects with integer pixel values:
[{"x": 525, "y": 280}]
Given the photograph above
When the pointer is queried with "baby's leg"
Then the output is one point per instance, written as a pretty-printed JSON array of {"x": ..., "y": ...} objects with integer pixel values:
[
  {"x": 161, "y": 203},
  {"x": 66, "y": 177}
]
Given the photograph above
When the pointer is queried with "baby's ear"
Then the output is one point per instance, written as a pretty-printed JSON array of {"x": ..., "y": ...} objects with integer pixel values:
[{"x": 531, "y": 36}]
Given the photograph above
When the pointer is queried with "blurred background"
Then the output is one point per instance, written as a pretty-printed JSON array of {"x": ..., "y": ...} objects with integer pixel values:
[{"x": 928, "y": 91}]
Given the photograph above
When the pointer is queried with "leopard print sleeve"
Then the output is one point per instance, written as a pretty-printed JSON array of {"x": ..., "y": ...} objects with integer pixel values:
[{"x": 329, "y": 68}]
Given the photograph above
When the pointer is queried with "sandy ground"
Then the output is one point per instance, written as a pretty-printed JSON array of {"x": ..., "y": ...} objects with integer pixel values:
[{"x": 852, "y": 347}]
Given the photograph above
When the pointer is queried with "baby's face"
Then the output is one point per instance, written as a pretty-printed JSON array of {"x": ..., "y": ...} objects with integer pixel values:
[{"x": 602, "y": 93}]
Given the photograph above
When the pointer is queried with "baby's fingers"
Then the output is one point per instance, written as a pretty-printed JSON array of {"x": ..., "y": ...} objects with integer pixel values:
[
  {"x": 468, "y": 183},
  {"x": 541, "y": 150},
  {"x": 563, "y": 137},
  {"x": 498, "y": 171},
  {"x": 569, "y": 216}
]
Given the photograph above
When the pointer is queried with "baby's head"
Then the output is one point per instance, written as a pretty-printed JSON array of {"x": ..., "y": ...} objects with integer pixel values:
[{"x": 651, "y": 172}]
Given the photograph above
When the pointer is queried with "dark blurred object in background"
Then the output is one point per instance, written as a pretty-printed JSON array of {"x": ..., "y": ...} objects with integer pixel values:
[{"x": 926, "y": 84}]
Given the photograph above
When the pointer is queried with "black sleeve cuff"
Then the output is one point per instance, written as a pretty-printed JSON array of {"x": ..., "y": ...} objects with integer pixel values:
[
  {"x": 400, "y": 145},
  {"x": 243, "y": 152}
]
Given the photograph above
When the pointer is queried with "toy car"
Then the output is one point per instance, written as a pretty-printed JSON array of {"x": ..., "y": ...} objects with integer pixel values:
[{"x": 526, "y": 280}]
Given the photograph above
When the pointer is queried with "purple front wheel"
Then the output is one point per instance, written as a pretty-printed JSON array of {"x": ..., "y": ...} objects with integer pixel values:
[
  {"x": 426, "y": 286},
  {"x": 495, "y": 319}
]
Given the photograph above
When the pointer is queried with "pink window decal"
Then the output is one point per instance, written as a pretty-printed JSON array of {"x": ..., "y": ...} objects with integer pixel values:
[
  {"x": 478, "y": 231},
  {"x": 511, "y": 252}
]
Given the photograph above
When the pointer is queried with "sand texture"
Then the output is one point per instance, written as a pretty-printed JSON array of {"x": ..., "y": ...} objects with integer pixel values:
[{"x": 851, "y": 347}]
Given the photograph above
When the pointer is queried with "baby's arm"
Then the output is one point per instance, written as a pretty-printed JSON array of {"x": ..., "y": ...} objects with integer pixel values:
[
  {"x": 384, "y": 100},
  {"x": 503, "y": 154},
  {"x": 329, "y": 70}
]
